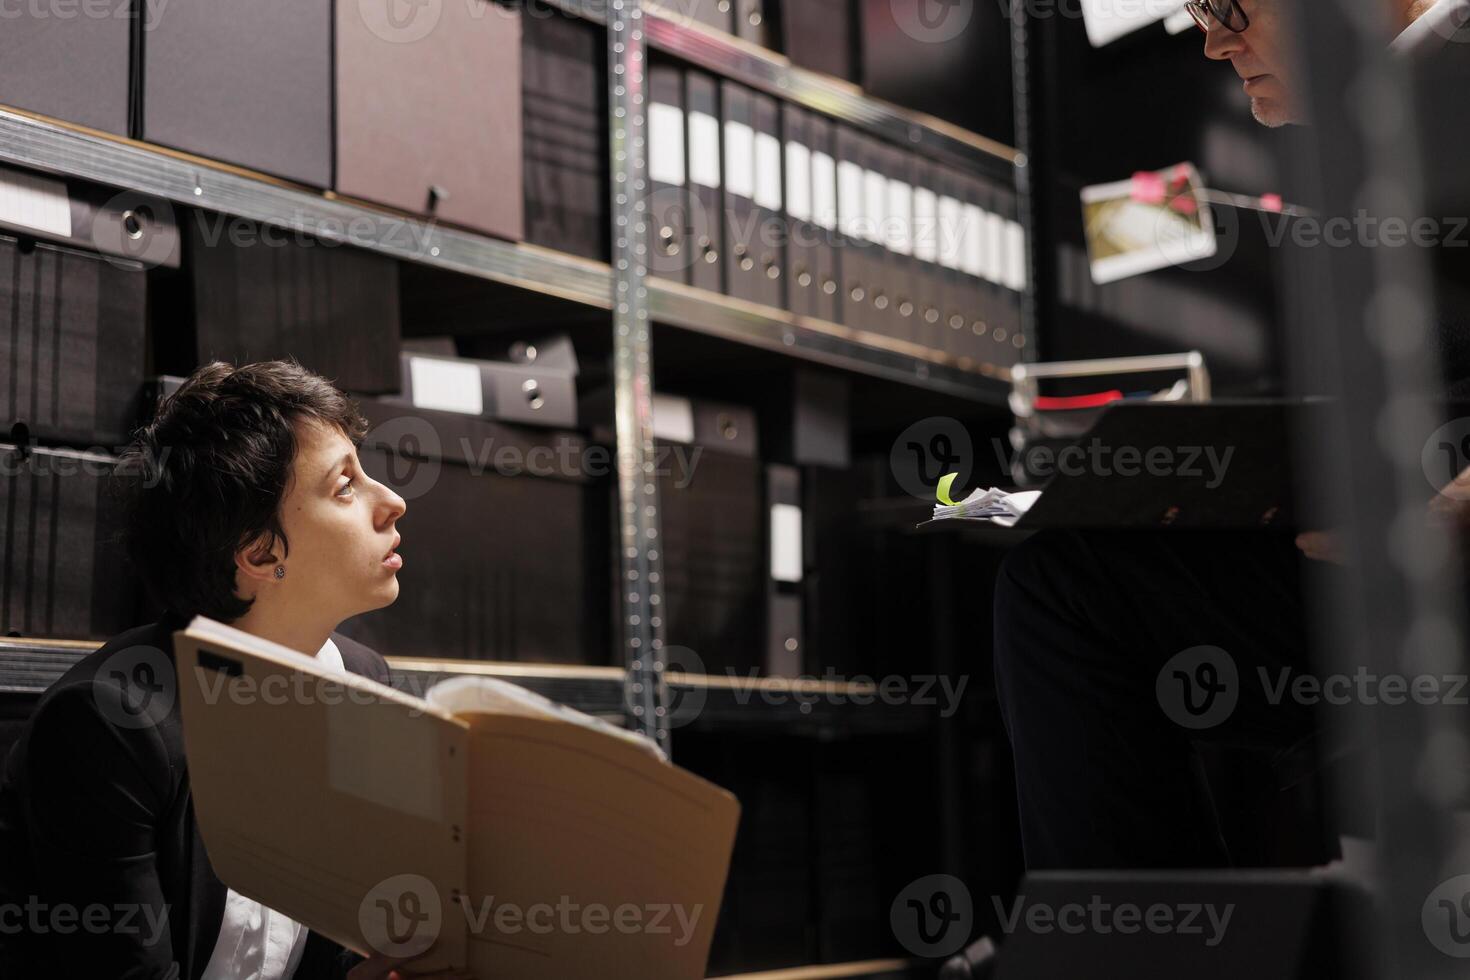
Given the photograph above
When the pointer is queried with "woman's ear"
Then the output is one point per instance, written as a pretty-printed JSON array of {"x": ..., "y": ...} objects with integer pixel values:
[{"x": 258, "y": 560}]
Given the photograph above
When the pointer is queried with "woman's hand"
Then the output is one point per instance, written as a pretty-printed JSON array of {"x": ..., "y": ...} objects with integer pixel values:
[{"x": 381, "y": 967}]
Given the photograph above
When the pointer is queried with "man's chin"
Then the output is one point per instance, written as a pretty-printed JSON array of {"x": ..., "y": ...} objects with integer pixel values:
[{"x": 1272, "y": 112}]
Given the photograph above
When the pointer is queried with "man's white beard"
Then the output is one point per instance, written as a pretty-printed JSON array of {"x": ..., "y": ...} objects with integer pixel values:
[{"x": 1271, "y": 112}]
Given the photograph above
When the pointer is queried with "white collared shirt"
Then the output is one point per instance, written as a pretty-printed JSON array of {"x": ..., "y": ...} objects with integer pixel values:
[
  {"x": 1446, "y": 21},
  {"x": 256, "y": 942}
]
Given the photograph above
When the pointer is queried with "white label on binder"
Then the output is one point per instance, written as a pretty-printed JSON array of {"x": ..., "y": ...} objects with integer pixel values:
[
  {"x": 673, "y": 418},
  {"x": 666, "y": 144},
  {"x": 449, "y": 386},
  {"x": 850, "y": 198},
  {"x": 768, "y": 171},
  {"x": 973, "y": 257},
  {"x": 824, "y": 191},
  {"x": 786, "y": 543},
  {"x": 798, "y": 182},
  {"x": 951, "y": 232},
  {"x": 875, "y": 206},
  {"x": 1015, "y": 277},
  {"x": 926, "y": 220},
  {"x": 995, "y": 248},
  {"x": 740, "y": 159},
  {"x": 704, "y": 149},
  {"x": 900, "y": 223},
  {"x": 35, "y": 202}
]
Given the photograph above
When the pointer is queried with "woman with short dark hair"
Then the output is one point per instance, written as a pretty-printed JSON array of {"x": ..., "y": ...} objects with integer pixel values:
[{"x": 247, "y": 505}]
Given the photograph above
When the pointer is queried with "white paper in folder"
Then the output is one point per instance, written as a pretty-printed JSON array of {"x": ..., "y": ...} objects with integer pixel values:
[{"x": 482, "y": 827}]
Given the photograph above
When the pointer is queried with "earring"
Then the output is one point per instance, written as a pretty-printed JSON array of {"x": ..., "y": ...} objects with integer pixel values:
[{"x": 280, "y": 571}]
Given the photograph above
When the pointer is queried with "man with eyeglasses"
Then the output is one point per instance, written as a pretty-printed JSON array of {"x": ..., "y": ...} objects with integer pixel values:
[
  {"x": 1251, "y": 36},
  {"x": 1096, "y": 632}
]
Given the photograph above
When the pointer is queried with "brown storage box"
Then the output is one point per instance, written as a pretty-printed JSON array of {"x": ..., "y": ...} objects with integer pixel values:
[
  {"x": 429, "y": 112},
  {"x": 73, "y": 68},
  {"x": 248, "y": 83}
]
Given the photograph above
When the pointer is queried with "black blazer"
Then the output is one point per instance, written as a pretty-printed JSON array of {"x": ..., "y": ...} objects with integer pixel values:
[{"x": 95, "y": 810}]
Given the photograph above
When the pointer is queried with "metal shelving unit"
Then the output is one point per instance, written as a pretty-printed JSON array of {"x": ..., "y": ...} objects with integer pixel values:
[
  {"x": 640, "y": 692},
  {"x": 178, "y": 179}
]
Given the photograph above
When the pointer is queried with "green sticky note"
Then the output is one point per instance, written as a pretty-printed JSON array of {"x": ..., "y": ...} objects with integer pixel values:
[{"x": 945, "y": 483}]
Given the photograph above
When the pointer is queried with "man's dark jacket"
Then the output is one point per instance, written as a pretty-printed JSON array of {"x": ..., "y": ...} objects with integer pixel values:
[{"x": 95, "y": 809}]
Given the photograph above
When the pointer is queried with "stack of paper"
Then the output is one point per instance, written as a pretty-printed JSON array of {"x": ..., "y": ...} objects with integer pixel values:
[{"x": 996, "y": 506}]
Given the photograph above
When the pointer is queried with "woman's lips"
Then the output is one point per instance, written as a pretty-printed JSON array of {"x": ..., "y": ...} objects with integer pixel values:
[{"x": 393, "y": 561}]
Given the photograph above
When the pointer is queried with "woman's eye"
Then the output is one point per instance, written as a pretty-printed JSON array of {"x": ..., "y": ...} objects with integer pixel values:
[{"x": 345, "y": 487}]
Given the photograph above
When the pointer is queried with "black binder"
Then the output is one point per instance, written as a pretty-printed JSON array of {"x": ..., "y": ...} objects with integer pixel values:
[
  {"x": 1013, "y": 276},
  {"x": 826, "y": 254},
  {"x": 770, "y": 238},
  {"x": 64, "y": 576},
  {"x": 564, "y": 127},
  {"x": 802, "y": 290},
  {"x": 903, "y": 282},
  {"x": 982, "y": 295},
  {"x": 929, "y": 296},
  {"x": 335, "y": 309},
  {"x": 875, "y": 213},
  {"x": 742, "y": 276},
  {"x": 668, "y": 252},
  {"x": 858, "y": 266},
  {"x": 705, "y": 158},
  {"x": 956, "y": 311},
  {"x": 784, "y": 641},
  {"x": 72, "y": 336}
]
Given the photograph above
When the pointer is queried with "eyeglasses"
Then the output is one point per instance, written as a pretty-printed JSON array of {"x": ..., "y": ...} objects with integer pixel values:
[{"x": 1226, "y": 12}]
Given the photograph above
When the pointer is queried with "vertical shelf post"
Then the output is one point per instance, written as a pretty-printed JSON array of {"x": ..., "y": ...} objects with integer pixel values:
[{"x": 640, "y": 590}]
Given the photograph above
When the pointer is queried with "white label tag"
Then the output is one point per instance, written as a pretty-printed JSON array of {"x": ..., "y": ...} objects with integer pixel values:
[
  {"x": 875, "y": 206},
  {"x": 768, "y": 171},
  {"x": 977, "y": 225},
  {"x": 35, "y": 202},
  {"x": 786, "y": 543},
  {"x": 824, "y": 191},
  {"x": 850, "y": 198},
  {"x": 740, "y": 159},
  {"x": 900, "y": 222},
  {"x": 798, "y": 182},
  {"x": 673, "y": 418},
  {"x": 666, "y": 144},
  {"x": 449, "y": 386},
  {"x": 951, "y": 233},
  {"x": 995, "y": 248},
  {"x": 926, "y": 222},
  {"x": 704, "y": 149},
  {"x": 1015, "y": 277}
]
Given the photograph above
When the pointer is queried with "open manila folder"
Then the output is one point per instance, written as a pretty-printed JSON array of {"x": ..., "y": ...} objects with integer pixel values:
[{"x": 497, "y": 838}]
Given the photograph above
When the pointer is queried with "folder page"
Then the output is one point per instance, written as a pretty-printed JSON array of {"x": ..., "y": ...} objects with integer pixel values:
[{"x": 598, "y": 859}]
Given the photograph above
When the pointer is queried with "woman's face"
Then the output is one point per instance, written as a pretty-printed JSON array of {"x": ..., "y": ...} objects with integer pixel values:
[{"x": 340, "y": 525}]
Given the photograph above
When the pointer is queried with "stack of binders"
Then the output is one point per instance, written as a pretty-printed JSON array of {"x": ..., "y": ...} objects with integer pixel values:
[
  {"x": 777, "y": 205},
  {"x": 73, "y": 305},
  {"x": 931, "y": 256}
]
